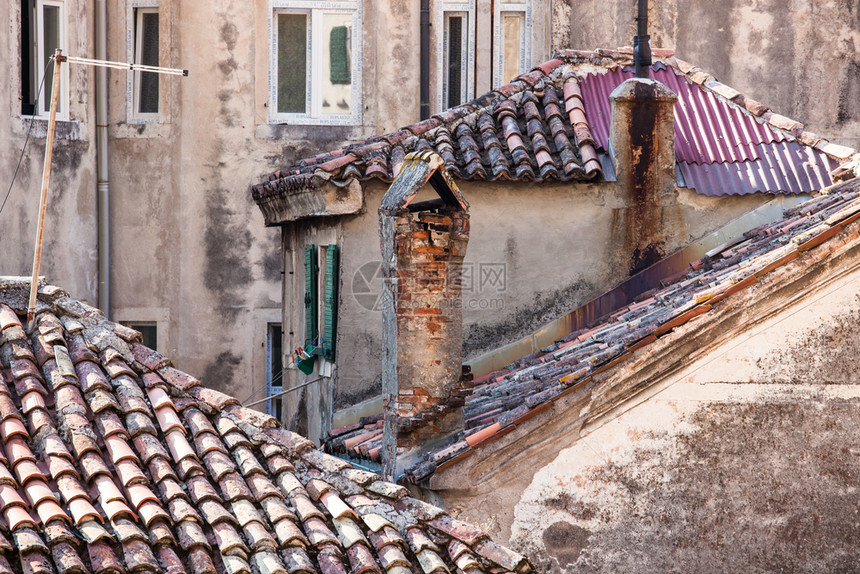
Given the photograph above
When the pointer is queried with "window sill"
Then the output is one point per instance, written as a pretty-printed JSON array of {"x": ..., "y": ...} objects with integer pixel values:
[
  {"x": 140, "y": 131},
  {"x": 64, "y": 129},
  {"x": 326, "y": 120},
  {"x": 332, "y": 133}
]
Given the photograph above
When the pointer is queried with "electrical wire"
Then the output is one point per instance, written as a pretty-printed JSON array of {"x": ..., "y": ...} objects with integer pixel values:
[{"x": 27, "y": 138}]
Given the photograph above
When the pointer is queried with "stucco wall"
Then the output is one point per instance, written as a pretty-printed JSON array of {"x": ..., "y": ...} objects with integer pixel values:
[
  {"x": 745, "y": 458},
  {"x": 798, "y": 58},
  {"x": 535, "y": 252},
  {"x": 187, "y": 237},
  {"x": 69, "y": 248}
]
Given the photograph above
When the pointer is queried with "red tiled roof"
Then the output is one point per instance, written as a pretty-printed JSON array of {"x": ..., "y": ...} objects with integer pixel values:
[
  {"x": 114, "y": 461},
  {"x": 552, "y": 124},
  {"x": 501, "y": 400}
]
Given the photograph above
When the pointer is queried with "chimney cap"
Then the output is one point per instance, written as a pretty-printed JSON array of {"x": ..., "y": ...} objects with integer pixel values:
[
  {"x": 643, "y": 89},
  {"x": 418, "y": 169}
]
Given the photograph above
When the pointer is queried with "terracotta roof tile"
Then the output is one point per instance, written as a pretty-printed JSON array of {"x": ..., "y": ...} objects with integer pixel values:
[{"x": 135, "y": 430}]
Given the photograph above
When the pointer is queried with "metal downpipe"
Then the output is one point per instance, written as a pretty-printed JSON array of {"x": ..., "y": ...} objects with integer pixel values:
[
  {"x": 424, "y": 55},
  {"x": 103, "y": 181}
]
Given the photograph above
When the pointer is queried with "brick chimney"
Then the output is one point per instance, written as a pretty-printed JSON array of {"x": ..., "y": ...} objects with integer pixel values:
[
  {"x": 642, "y": 141},
  {"x": 423, "y": 245}
]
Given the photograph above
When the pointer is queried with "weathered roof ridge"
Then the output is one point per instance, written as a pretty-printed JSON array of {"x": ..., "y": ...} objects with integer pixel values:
[
  {"x": 486, "y": 149},
  {"x": 313, "y": 171},
  {"x": 157, "y": 472}
]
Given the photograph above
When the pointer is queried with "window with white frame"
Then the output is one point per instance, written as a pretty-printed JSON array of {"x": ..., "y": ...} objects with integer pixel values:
[
  {"x": 142, "y": 46},
  {"x": 315, "y": 66},
  {"x": 511, "y": 40},
  {"x": 455, "y": 53},
  {"x": 43, "y": 31}
]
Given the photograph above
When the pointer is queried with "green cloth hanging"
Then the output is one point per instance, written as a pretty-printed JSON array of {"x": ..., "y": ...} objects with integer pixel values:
[{"x": 339, "y": 55}]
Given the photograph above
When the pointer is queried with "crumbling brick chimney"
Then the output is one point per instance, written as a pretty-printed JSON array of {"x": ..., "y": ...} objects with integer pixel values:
[
  {"x": 423, "y": 245},
  {"x": 642, "y": 140}
]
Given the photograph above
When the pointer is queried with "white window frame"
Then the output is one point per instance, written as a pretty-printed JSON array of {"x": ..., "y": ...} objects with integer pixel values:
[
  {"x": 63, "y": 101},
  {"x": 134, "y": 13},
  {"x": 454, "y": 8},
  {"x": 525, "y": 48},
  {"x": 315, "y": 11}
]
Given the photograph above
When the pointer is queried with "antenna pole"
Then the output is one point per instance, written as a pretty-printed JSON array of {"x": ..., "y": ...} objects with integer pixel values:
[
  {"x": 642, "y": 42},
  {"x": 46, "y": 179}
]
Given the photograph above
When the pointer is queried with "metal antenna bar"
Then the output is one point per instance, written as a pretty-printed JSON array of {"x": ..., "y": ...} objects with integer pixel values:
[{"x": 126, "y": 66}]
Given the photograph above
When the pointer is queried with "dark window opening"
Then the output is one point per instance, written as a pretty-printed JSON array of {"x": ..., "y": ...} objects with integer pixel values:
[
  {"x": 148, "y": 331},
  {"x": 28, "y": 60},
  {"x": 41, "y": 36},
  {"x": 455, "y": 60},
  {"x": 275, "y": 367},
  {"x": 146, "y": 53}
]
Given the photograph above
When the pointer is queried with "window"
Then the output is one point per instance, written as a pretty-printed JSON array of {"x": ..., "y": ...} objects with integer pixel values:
[
  {"x": 511, "y": 40},
  {"x": 43, "y": 31},
  {"x": 456, "y": 58},
  {"x": 321, "y": 298},
  {"x": 315, "y": 68},
  {"x": 274, "y": 368},
  {"x": 148, "y": 331},
  {"x": 142, "y": 45},
  {"x": 456, "y": 53}
]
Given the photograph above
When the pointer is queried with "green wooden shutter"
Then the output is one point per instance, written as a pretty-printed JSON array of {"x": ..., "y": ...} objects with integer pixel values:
[
  {"x": 311, "y": 305},
  {"x": 338, "y": 51},
  {"x": 330, "y": 303}
]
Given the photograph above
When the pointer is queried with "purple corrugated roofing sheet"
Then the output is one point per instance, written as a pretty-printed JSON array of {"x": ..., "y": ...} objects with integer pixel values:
[
  {"x": 720, "y": 149},
  {"x": 782, "y": 167},
  {"x": 707, "y": 128}
]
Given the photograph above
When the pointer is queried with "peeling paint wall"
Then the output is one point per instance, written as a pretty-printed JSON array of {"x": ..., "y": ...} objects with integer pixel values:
[
  {"x": 69, "y": 248},
  {"x": 745, "y": 458},
  {"x": 799, "y": 58},
  {"x": 186, "y": 236}
]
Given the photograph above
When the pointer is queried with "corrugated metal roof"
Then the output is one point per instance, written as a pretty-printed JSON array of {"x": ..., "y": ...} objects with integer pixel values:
[
  {"x": 782, "y": 167},
  {"x": 707, "y": 128},
  {"x": 720, "y": 149}
]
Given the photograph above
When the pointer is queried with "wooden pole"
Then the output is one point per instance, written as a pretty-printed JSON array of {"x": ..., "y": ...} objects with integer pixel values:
[{"x": 43, "y": 199}]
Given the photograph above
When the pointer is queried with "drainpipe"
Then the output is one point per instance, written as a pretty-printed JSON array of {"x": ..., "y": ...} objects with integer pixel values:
[
  {"x": 103, "y": 185},
  {"x": 642, "y": 42},
  {"x": 425, "y": 59}
]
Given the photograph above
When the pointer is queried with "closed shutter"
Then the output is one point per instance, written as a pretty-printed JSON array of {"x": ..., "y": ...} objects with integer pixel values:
[
  {"x": 330, "y": 302},
  {"x": 311, "y": 305}
]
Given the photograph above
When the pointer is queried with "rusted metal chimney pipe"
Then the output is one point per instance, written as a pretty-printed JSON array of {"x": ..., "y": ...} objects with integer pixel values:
[{"x": 642, "y": 42}]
